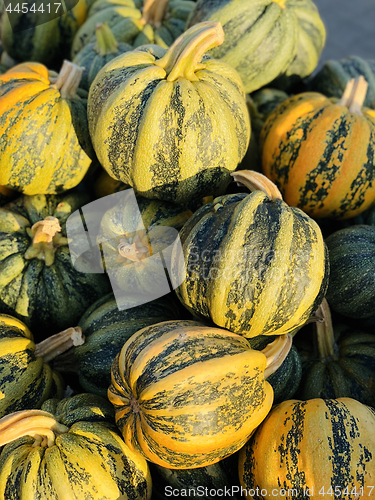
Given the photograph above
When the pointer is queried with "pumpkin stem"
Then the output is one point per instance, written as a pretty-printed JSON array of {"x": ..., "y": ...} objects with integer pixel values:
[
  {"x": 324, "y": 332},
  {"x": 255, "y": 181},
  {"x": 68, "y": 80},
  {"x": 281, "y": 3},
  {"x": 153, "y": 12},
  {"x": 49, "y": 348},
  {"x": 45, "y": 240},
  {"x": 354, "y": 95},
  {"x": 106, "y": 42},
  {"x": 35, "y": 423},
  {"x": 183, "y": 58},
  {"x": 276, "y": 352},
  {"x": 134, "y": 249}
]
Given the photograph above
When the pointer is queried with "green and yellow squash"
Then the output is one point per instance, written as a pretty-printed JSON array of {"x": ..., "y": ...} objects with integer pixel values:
[
  {"x": 253, "y": 264},
  {"x": 351, "y": 290},
  {"x": 187, "y": 395},
  {"x": 190, "y": 125},
  {"x": 44, "y": 136},
  {"x": 93, "y": 56},
  {"x": 311, "y": 449},
  {"x": 332, "y": 79},
  {"x": 321, "y": 152},
  {"x": 136, "y": 22},
  {"x": 31, "y": 37},
  {"x": 341, "y": 363},
  {"x": 38, "y": 283},
  {"x": 265, "y": 38},
  {"x": 106, "y": 329},
  {"x": 26, "y": 380},
  {"x": 69, "y": 449}
]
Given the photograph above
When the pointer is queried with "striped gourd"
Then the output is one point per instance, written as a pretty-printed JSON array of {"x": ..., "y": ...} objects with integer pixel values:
[
  {"x": 265, "y": 38},
  {"x": 32, "y": 38},
  {"x": 341, "y": 363},
  {"x": 38, "y": 282},
  {"x": 332, "y": 79},
  {"x": 74, "y": 452},
  {"x": 106, "y": 329},
  {"x": 311, "y": 449},
  {"x": 190, "y": 126},
  {"x": 187, "y": 395},
  {"x": 320, "y": 152},
  {"x": 136, "y": 22},
  {"x": 95, "y": 55},
  {"x": 26, "y": 380},
  {"x": 351, "y": 289},
  {"x": 43, "y": 129},
  {"x": 253, "y": 264}
]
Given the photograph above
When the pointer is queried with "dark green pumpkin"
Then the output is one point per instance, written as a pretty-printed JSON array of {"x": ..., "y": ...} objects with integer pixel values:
[
  {"x": 331, "y": 80},
  {"x": 253, "y": 264},
  {"x": 339, "y": 361},
  {"x": 38, "y": 283},
  {"x": 106, "y": 329},
  {"x": 95, "y": 55},
  {"x": 351, "y": 290},
  {"x": 266, "y": 38}
]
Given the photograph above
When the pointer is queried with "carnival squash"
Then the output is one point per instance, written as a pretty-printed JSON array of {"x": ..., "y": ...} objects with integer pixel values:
[
  {"x": 187, "y": 395},
  {"x": 351, "y": 290},
  {"x": 311, "y": 449},
  {"x": 158, "y": 21},
  {"x": 190, "y": 126},
  {"x": 320, "y": 152},
  {"x": 44, "y": 135},
  {"x": 253, "y": 264},
  {"x": 93, "y": 56},
  {"x": 74, "y": 452},
  {"x": 265, "y": 38},
  {"x": 38, "y": 282},
  {"x": 341, "y": 363}
]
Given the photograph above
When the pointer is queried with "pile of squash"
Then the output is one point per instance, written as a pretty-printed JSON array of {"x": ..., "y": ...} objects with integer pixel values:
[{"x": 187, "y": 254}]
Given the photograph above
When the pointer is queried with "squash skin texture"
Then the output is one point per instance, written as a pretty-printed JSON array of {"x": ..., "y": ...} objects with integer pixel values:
[
  {"x": 187, "y": 395},
  {"x": 90, "y": 460},
  {"x": 311, "y": 444},
  {"x": 253, "y": 266},
  {"x": 321, "y": 156},
  {"x": 263, "y": 39},
  {"x": 41, "y": 133},
  {"x": 25, "y": 380},
  {"x": 164, "y": 153}
]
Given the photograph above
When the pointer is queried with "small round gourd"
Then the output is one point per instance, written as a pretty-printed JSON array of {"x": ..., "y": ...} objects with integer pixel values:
[
  {"x": 190, "y": 126},
  {"x": 321, "y": 152},
  {"x": 187, "y": 395},
  {"x": 253, "y": 264},
  {"x": 44, "y": 135},
  {"x": 69, "y": 449},
  {"x": 307, "y": 447}
]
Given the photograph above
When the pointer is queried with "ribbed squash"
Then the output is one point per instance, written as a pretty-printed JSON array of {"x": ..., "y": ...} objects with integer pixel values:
[
  {"x": 137, "y": 22},
  {"x": 106, "y": 329},
  {"x": 187, "y": 395},
  {"x": 341, "y": 364},
  {"x": 95, "y": 55},
  {"x": 190, "y": 126},
  {"x": 312, "y": 449},
  {"x": 43, "y": 129},
  {"x": 74, "y": 452},
  {"x": 26, "y": 380},
  {"x": 351, "y": 290},
  {"x": 332, "y": 79},
  {"x": 38, "y": 282},
  {"x": 253, "y": 264},
  {"x": 265, "y": 38},
  {"x": 48, "y": 43},
  {"x": 320, "y": 152}
]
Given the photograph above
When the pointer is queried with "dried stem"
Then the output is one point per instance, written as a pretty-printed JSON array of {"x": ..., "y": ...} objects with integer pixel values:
[
  {"x": 57, "y": 344},
  {"x": 276, "y": 352},
  {"x": 255, "y": 181}
]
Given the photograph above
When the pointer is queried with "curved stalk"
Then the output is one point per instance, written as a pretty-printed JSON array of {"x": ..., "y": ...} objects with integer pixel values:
[
  {"x": 255, "y": 181},
  {"x": 49, "y": 348},
  {"x": 324, "y": 332},
  {"x": 354, "y": 95},
  {"x": 68, "y": 80},
  {"x": 276, "y": 352}
]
